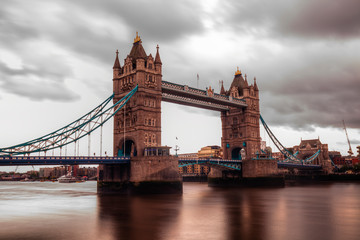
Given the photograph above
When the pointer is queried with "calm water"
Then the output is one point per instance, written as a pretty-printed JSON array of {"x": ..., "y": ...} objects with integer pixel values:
[{"x": 74, "y": 211}]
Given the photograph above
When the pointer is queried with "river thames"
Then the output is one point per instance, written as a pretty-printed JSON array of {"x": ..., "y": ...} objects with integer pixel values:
[{"x": 51, "y": 210}]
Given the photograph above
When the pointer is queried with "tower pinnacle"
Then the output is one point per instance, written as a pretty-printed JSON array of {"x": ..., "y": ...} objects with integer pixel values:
[
  {"x": 157, "y": 57},
  {"x": 238, "y": 72},
  {"x": 137, "y": 38},
  {"x": 117, "y": 62}
]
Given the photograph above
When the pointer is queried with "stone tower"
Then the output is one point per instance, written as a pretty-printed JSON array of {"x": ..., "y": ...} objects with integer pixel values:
[
  {"x": 137, "y": 130},
  {"x": 240, "y": 127},
  {"x": 138, "y": 124}
]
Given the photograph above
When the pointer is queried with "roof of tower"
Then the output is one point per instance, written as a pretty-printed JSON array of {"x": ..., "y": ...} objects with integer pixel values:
[
  {"x": 137, "y": 51},
  {"x": 117, "y": 62},
  {"x": 238, "y": 81},
  {"x": 157, "y": 57}
]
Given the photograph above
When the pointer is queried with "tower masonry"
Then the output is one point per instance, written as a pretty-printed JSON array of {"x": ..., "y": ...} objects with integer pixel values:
[
  {"x": 240, "y": 126},
  {"x": 138, "y": 124},
  {"x": 137, "y": 130}
]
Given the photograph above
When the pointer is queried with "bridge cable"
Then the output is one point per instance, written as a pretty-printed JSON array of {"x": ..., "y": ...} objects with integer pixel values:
[
  {"x": 71, "y": 132},
  {"x": 282, "y": 149}
]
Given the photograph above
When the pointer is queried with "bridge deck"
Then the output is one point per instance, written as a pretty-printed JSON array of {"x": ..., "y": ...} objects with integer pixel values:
[
  {"x": 83, "y": 160},
  {"x": 48, "y": 160}
]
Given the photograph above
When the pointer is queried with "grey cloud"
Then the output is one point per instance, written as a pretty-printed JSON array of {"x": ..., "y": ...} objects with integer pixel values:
[
  {"x": 47, "y": 85},
  {"x": 324, "y": 102},
  {"x": 156, "y": 21},
  {"x": 41, "y": 91},
  {"x": 165, "y": 20},
  {"x": 301, "y": 18}
]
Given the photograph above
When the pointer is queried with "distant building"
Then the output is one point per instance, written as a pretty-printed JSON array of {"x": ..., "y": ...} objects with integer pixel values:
[
  {"x": 307, "y": 148},
  {"x": 210, "y": 152},
  {"x": 45, "y": 172},
  {"x": 205, "y": 152},
  {"x": 278, "y": 156}
]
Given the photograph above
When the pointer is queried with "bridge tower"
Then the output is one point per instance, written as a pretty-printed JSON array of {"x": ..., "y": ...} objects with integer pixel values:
[
  {"x": 137, "y": 130},
  {"x": 138, "y": 124},
  {"x": 240, "y": 126}
]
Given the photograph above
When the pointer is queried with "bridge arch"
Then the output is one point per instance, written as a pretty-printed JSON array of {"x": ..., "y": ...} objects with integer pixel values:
[
  {"x": 235, "y": 153},
  {"x": 130, "y": 148}
]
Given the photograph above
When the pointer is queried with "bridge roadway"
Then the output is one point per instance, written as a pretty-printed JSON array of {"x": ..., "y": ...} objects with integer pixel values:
[{"x": 84, "y": 160}]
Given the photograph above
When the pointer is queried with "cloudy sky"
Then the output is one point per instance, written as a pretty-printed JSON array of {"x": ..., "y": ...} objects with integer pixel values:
[{"x": 56, "y": 61}]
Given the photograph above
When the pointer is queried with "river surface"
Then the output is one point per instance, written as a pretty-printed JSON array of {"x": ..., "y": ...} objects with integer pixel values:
[{"x": 52, "y": 210}]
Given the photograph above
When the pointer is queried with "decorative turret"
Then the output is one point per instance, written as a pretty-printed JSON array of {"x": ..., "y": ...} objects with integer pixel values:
[
  {"x": 222, "y": 91},
  {"x": 255, "y": 85},
  {"x": 158, "y": 62},
  {"x": 116, "y": 67},
  {"x": 157, "y": 57},
  {"x": 246, "y": 82}
]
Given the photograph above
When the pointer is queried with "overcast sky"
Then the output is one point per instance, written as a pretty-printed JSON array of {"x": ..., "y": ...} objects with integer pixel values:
[{"x": 56, "y": 61}]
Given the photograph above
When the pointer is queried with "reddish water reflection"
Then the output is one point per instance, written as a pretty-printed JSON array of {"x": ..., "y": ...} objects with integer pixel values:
[{"x": 74, "y": 211}]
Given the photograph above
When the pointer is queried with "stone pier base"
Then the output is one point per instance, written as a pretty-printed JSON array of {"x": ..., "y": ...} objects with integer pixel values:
[
  {"x": 255, "y": 173},
  {"x": 144, "y": 175}
]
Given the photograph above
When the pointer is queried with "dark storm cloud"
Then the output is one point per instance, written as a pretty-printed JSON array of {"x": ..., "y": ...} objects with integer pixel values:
[
  {"x": 70, "y": 27},
  {"x": 315, "y": 95},
  {"x": 316, "y": 82},
  {"x": 301, "y": 18}
]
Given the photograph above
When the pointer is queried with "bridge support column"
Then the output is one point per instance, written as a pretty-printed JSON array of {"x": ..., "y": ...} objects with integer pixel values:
[
  {"x": 255, "y": 173},
  {"x": 261, "y": 172},
  {"x": 146, "y": 175}
]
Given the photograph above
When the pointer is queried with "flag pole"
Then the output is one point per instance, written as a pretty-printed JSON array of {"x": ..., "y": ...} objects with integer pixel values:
[{"x": 197, "y": 76}]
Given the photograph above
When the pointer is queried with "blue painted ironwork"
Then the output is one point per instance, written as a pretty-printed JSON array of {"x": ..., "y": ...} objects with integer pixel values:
[
  {"x": 47, "y": 160},
  {"x": 232, "y": 164},
  {"x": 299, "y": 166},
  {"x": 71, "y": 132}
]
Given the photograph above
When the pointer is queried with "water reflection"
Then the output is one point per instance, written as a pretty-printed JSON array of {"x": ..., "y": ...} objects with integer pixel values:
[
  {"x": 74, "y": 211},
  {"x": 137, "y": 217}
]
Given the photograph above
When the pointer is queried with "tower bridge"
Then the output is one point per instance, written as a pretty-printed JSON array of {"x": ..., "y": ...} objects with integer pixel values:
[{"x": 140, "y": 162}]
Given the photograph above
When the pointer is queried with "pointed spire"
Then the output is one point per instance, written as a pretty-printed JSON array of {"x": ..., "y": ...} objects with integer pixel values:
[
  {"x": 222, "y": 91},
  {"x": 255, "y": 85},
  {"x": 238, "y": 72},
  {"x": 117, "y": 62},
  {"x": 246, "y": 82},
  {"x": 157, "y": 57}
]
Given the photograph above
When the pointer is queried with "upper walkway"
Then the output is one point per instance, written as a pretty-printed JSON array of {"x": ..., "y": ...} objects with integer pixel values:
[{"x": 185, "y": 95}]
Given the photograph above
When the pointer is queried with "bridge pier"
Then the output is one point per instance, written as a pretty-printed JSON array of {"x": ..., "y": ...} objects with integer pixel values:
[
  {"x": 144, "y": 175},
  {"x": 254, "y": 173}
]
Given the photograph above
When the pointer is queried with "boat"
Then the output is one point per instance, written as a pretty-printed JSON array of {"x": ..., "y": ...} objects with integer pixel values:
[{"x": 68, "y": 178}]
